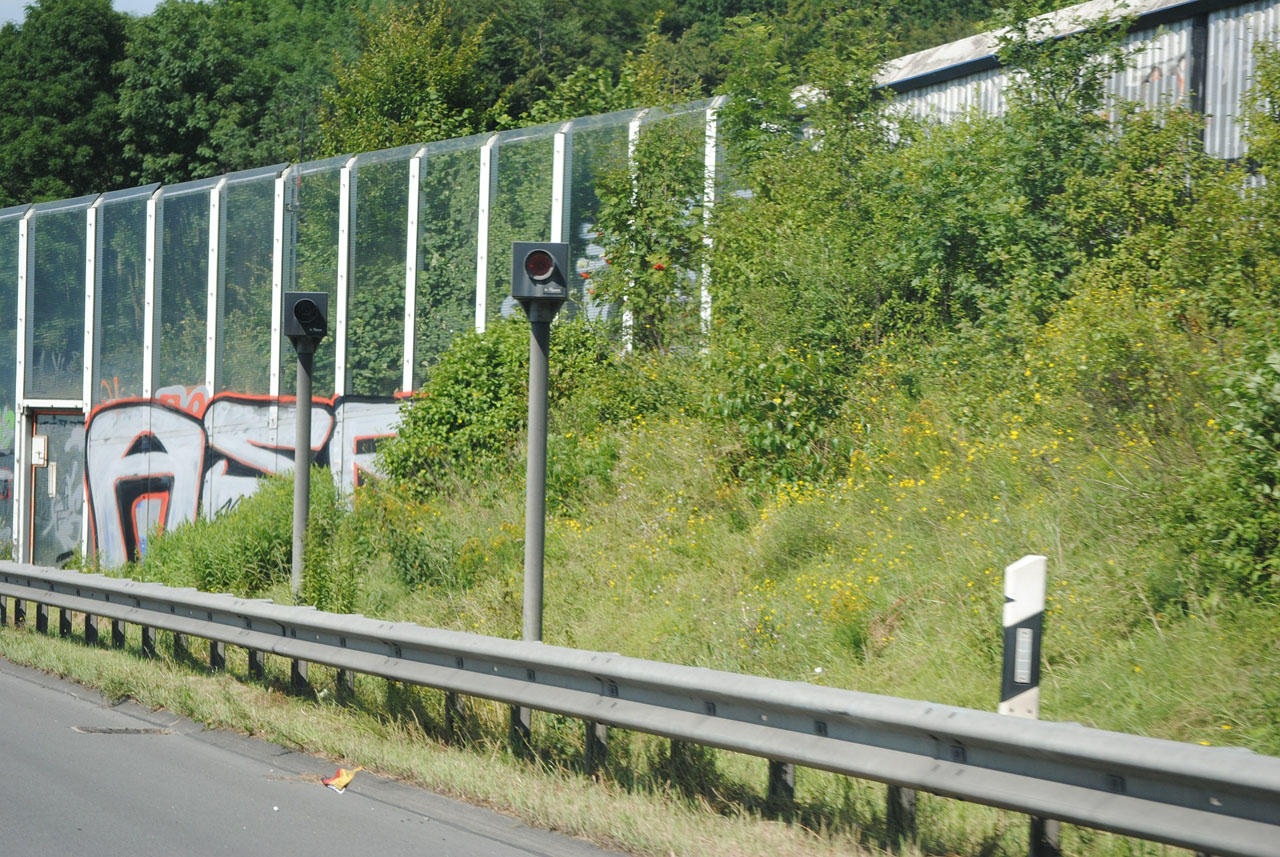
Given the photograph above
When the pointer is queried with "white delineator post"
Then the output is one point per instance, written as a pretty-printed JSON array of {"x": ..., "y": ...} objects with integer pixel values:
[
  {"x": 1024, "y": 588},
  {"x": 1024, "y": 592}
]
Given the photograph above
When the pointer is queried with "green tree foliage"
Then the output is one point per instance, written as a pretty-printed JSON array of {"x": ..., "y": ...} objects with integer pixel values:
[
  {"x": 1262, "y": 109},
  {"x": 529, "y": 46},
  {"x": 214, "y": 87},
  {"x": 658, "y": 72},
  {"x": 58, "y": 121},
  {"x": 416, "y": 79},
  {"x": 651, "y": 219},
  {"x": 804, "y": 207},
  {"x": 913, "y": 24},
  {"x": 375, "y": 311},
  {"x": 900, "y": 225},
  {"x": 711, "y": 15},
  {"x": 469, "y": 414},
  {"x": 920, "y": 24},
  {"x": 199, "y": 88},
  {"x": 1224, "y": 278},
  {"x": 447, "y": 215}
]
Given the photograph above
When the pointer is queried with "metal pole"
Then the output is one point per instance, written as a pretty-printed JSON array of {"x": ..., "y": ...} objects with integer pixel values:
[
  {"x": 535, "y": 500},
  {"x": 539, "y": 283},
  {"x": 301, "y": 460},
  {"x": 535, "y": 497}
]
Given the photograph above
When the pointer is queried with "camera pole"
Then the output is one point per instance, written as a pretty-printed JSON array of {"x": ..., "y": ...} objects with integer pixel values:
[
  {"x": 305, "y": 347},
  {"x": 305, "y": 320},
  {"x": 535, "y": 491},
  {"x": 539, "y": 282}
]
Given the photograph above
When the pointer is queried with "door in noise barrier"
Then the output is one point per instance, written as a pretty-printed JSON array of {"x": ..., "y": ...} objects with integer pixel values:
[{"x": 57, "y": 486}]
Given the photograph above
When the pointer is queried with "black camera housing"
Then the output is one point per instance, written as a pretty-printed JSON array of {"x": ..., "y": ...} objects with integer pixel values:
[
  {"x": 540, "y": 271},
  {"x": 306, "y": 315}
]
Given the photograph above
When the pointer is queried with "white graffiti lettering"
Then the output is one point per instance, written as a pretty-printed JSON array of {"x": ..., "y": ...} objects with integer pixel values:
[
  {"x": 245, "y": 445},
  {"x": 143, "y": 461},
  {"x": 359, "y": 427},
  {"x": 152, "y": 464}
]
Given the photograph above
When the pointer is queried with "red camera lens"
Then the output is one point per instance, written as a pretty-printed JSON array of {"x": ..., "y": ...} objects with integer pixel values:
[{"x": 539, "y": 265}]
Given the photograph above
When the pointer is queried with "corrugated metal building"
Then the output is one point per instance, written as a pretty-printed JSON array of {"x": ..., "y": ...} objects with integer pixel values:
[{"x": 1201, "y": 51}]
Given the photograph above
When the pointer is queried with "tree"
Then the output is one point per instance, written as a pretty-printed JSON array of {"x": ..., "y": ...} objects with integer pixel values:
[
  {"x": 414, "y": 81},
  {"x": 531, "y": 45},
  {"x": 230, "y": 84},
  {"x": 58, "y": 121},
  {"x": 659, "y": 72}
]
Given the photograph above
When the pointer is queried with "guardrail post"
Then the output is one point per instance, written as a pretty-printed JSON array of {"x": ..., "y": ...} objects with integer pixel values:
[
  {"x": 1046, "y": 838},
  {"x": 148, "y": 641},
  {"x": 117, "y": 634},
  {"x": 900, "y": 813},
  {"x": 179, "y": 646},
  {"x": 596, "y": 748},
  {"x": 685, "y": 766},
  {"x": 454, "y": 713},
  {"x": 64, "y": 622},
  {"x": 217, "y": 656},
  {"x": 42, "y": 618},
  {"x": 521, "y": 732},
  {"x": 255, "y": 664},
  {"x": 298, "y": 675},
  {"x": 19, "y": 613},
  {"x": 781, "y": 793},
  {"x": 4, "y": 611},
  {"x": 345, "y": 684},
  {"x": 1024, "y": 590},
  {"x": 91, "y": 629}
]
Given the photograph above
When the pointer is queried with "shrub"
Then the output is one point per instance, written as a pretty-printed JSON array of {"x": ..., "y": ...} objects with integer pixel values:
[
  {"x": 470, "y": 412},
  {"x": 782, "y": 407},
  {"x": 1228, "y": 520},
  {"x": 248, "y": 549}
]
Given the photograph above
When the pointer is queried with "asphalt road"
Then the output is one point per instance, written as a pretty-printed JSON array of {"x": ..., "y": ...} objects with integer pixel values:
[{"x": 80, "y": 776}]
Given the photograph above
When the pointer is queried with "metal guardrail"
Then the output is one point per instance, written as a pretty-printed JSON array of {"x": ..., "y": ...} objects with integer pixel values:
[{"x": 1216, "y": 800}]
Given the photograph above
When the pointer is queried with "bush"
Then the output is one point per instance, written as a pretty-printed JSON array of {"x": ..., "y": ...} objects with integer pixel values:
[
  {"x": 1228, "y": 521},
  {"x": 470, "y": 412},
  {"x": 782, "y": 407}
]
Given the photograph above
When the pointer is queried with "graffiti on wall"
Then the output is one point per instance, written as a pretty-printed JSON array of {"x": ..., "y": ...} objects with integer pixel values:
[
  {"x": 8, "y": 432},
  {"x": 1167, "y": 76},
  {"x": 151, "y": 464}
]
